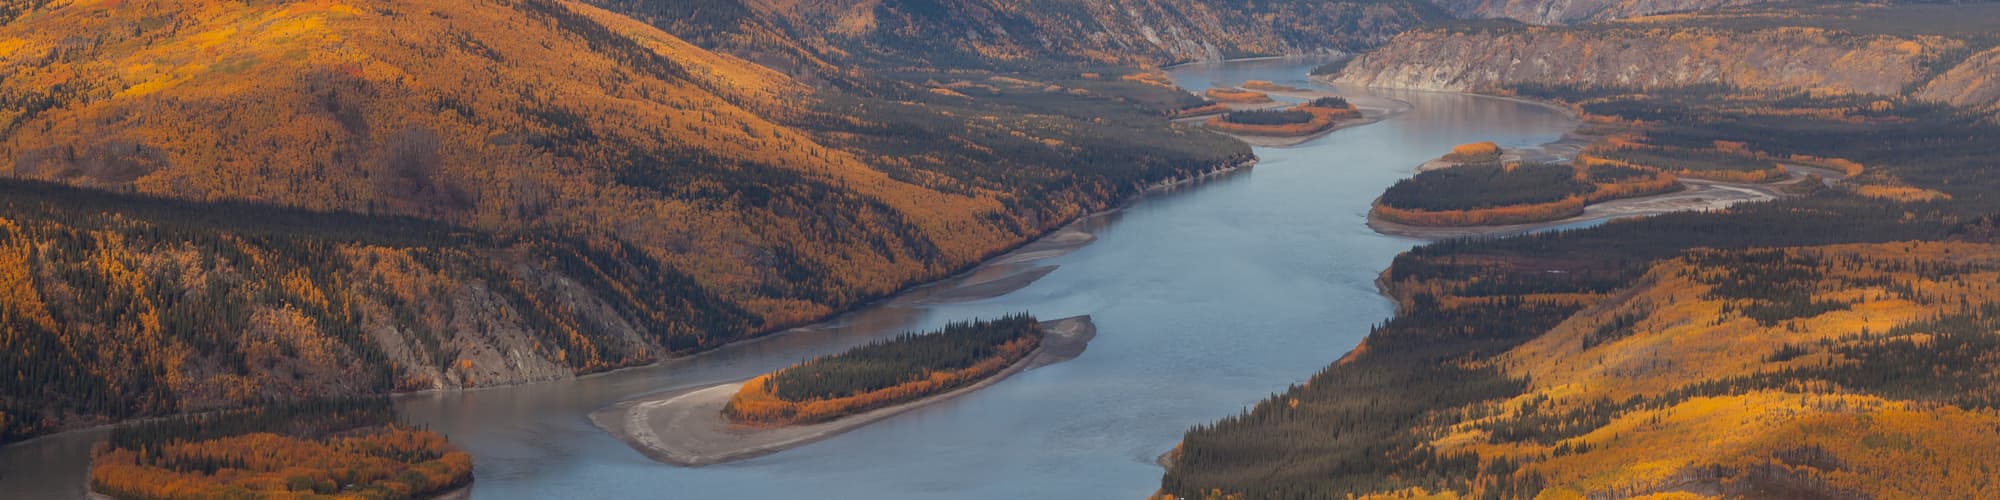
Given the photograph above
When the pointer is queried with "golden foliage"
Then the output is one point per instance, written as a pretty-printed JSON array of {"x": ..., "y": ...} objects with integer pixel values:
[
  {"x": 1478, "y": 152},
  {"x": 1267, "y": 86},
  {"x": 1899, "y": 193},
  {"x": 1514, "y": 214},
  {"x": 371, "y": 463},
  {"x": 324, "y": 90},
  {"x": 1238, "y": 96},
  {"x": 1809, "y": 434},
  {"x": 757, "y": 404},
  {"x": 1322, "y": 119}
]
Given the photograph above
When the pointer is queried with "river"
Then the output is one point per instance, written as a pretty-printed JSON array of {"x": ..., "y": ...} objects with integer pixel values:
[{"x": 1207, "y": 299}]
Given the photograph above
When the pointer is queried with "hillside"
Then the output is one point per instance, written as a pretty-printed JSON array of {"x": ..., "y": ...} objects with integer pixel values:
[
  {"x": 1026, "y": 35},
  {"x": 1547, "y": 12},
  {"x": 325, "y": 198},
  {"x": 1930, "y": 52},
  {"x": 1834, "y": 344}
]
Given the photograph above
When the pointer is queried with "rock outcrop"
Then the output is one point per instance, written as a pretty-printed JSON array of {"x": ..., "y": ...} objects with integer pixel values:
[
  {"x": 1572, "y": 11},
  {"x": 975, "y": 32},
  {"x": 1652, "y": 57}
]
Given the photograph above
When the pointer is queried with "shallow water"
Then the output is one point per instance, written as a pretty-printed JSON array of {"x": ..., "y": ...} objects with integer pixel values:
[{"x": 1206, "y": 300}]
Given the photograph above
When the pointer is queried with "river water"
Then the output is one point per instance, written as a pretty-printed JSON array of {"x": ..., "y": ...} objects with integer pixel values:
[{"x": 1206, "y": 300}]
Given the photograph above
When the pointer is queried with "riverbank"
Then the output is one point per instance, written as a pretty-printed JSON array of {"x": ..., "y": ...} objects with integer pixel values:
[{"x": 687, "y": 427}]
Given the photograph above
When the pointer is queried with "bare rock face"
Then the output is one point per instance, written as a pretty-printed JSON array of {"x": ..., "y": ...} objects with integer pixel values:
[
  {"x": 1573, "y": 11},
  {"x": 1974, "y": 83},
  {"x": 1126, "y": 31},
  {"x": 1783, "y": 58}
]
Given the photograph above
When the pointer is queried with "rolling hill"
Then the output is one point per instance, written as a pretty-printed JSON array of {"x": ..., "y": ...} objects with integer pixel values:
[{"x": 322, "y": 199}]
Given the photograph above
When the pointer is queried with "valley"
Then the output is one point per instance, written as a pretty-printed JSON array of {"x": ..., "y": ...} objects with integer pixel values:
[{"x": 533, "y": 248}]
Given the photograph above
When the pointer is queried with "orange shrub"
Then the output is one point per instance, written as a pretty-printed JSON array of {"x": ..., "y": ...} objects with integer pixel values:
[
  {"x": 1899, "y": 193},
  {"x": 1657, "y": 184},
  {"x": 385, "y": 462},
  {"x": 1478, "y": 152},
  {"x": 1737, "y": 176},
  {"x": 1239, "y": 96},
  {"x": 1514, "y": 214},
  {"x": 1267, "y": 86}
]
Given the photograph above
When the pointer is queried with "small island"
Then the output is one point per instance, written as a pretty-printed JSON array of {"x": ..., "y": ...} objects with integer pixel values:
[
  {"x": 1268, "y": 86},
  {"x": 1308, "y": 118},
  {"x": 833, "y": 394}
]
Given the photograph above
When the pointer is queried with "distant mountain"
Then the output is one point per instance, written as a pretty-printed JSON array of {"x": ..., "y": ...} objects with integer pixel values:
[
  {"x": 1567, "y": 12},
  {"x": 954, "y": 33},
  {"x": 1933, "y": 53}
]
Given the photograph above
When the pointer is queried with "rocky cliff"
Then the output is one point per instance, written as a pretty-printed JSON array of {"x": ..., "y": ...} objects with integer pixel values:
[
  {"x": 951, "y": 33},
  {"x": 1647, "y": 57},
  {"x": 1571, "y": 11}
]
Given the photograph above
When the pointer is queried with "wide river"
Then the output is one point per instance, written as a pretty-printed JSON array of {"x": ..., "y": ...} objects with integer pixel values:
[{"x": 1206, "y": 299}]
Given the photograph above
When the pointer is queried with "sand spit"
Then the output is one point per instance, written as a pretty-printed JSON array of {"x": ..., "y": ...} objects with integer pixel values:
[{"x": 687, "y": 428}]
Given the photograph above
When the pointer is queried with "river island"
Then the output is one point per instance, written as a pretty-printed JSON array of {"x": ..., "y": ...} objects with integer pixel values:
[{"x": 829, "y": 395}]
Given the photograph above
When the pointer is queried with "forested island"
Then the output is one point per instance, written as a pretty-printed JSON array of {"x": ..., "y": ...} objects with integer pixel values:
[
  {"x": 829, "y": 395},
  {"x": 885, "y": 372},
  {"x": 1308, "y": 118}
]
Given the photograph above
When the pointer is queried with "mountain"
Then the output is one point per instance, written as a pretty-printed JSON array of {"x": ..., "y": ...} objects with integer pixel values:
[
  {"x": 1019, "y": 35},
  {"x": 1555, "y": 13},
  {"x": 289, "y": 200},
  {"x": 1923, "y": 51}
]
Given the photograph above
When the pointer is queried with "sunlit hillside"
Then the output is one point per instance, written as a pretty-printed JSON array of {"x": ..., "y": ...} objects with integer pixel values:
[
  {"x": 541, "y": 114},
  {"x": 492, "y": 193}
]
